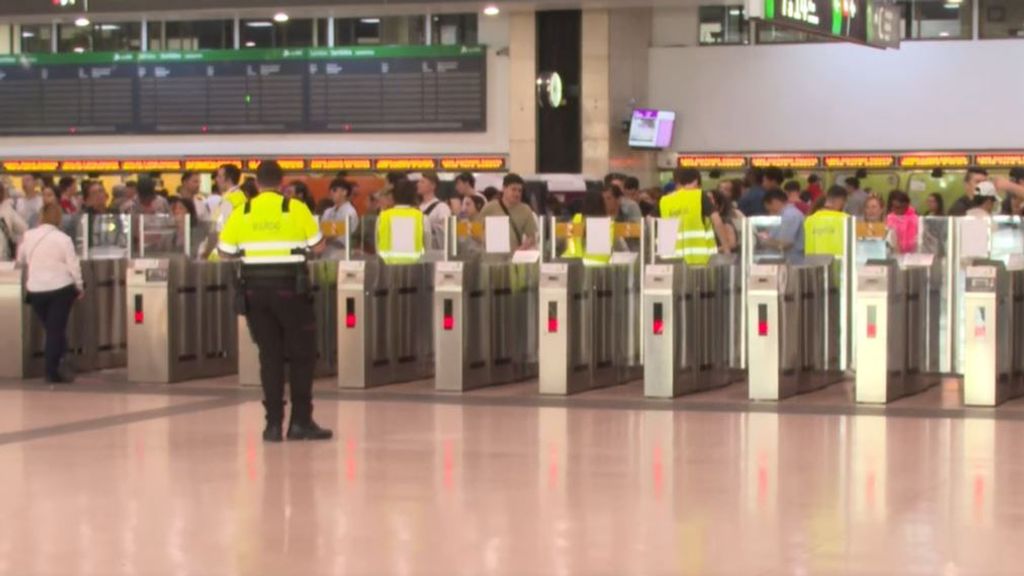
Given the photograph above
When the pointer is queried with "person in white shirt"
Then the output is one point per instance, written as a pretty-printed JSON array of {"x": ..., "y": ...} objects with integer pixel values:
[
  {"x": 12, "y": 226},
  {"x": 54, "y": 283},
  {"x": 342, "y": 211},
  {"x": 436, "y": 211},
  {"x": 30, "y": 203},
  {"x": 189, "y": 190}
]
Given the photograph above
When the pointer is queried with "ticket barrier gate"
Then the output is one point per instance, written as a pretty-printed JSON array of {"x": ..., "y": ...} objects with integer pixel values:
[
  {"x": 182, "y": 322},
  {"x": 793, "y": 330},
  {"x": 588, "y": 326},
  {"x": 96, "y": 328},
  {"x": 485, "y": 323},
  {"x": 693, "y": 328},
  {"x": 324, "y": 288},
  {"x": 893, "y": 325},
  {"x": 384, "y": 320},
  {"x": 993, "y": 333}
]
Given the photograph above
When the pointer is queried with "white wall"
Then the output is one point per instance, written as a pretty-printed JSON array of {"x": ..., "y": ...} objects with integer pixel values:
[
  {"x": 927, "y": 95},
  {"x": 493, "y": 32}
]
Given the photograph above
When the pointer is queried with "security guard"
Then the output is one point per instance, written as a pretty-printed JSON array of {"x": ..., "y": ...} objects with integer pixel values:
[
  {"x": 228, "y": 179},
  {"x": 697, "y": 217},
  {"x": 823, "y": 230},
  {"x": 273, "y": 237},
  {"x": 404, "y": 194}
]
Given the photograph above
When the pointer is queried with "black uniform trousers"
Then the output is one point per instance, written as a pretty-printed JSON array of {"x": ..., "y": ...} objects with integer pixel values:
[{"x": 283, "y": 324}]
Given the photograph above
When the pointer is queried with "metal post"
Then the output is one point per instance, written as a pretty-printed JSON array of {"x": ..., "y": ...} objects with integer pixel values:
[
  {"x": 330, "y": 31},
  {"x": 447, "y": 237},
  {"x": 348, "y": 238},
  {"x": 128, "y": 218},
  {"x": 142, "y": 236},
  {"x": 643, "y": 285},
  {"x": 144, "y": 38},
  {"x": 237, "y": 33},
  {"x": 188, "y": 236},
  {"x": 429, "y": 31},
  {"x": 85, "y": 237}
]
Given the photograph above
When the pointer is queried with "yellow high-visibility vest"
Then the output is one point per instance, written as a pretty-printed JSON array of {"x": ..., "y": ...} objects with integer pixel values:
[
  {"x": 696, "y": 240},
  {"x": 270, "y": 229},
  {"x": 384, "y": 240},
  {"x": 823, "y": 233}
]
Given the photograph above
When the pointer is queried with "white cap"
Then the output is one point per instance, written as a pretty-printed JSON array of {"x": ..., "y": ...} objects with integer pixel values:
[{"x": 986, "y": 189}]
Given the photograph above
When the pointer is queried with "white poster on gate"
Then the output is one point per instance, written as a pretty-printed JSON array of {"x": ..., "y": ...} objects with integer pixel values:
[
  {"x": 497, "y": 235},
  {"x": 599, "y": 236},
  {"x": 668, "y": 235},
  {"x": 403, "y": 235}
]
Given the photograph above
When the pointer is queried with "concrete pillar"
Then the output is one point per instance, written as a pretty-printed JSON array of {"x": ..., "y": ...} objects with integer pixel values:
[
  {"x": 522, "y": 99},
  {"x": 595, "y": 93}
]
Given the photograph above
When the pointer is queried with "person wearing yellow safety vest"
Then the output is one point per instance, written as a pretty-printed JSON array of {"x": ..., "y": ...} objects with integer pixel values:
[
  {"x": 575, "y": 249},
  {"x": 232, "y": 197},
  {"x": 698, "y": 219},
  {"x": 395, "y": 251},
  {"x": 823, "y": 230},
  {"x": 273, "y": 236}
]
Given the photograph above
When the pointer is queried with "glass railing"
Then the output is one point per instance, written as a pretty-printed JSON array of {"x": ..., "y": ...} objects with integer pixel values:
[{"x": 103, "y": 236}]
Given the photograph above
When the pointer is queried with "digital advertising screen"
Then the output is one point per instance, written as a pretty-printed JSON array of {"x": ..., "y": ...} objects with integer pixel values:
[{"x": 651, "y": 129}]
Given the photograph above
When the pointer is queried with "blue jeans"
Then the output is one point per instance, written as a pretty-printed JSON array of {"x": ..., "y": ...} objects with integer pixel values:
[{"x": 53, "y": 309}]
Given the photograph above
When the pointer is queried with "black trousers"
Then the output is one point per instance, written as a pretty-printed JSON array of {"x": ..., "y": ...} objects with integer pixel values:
[
  {"x": 283, "y": 324},
  {"x": 53, "y": 309}
]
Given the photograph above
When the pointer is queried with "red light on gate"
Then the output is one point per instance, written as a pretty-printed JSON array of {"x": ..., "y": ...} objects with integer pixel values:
[
  {"x": 350, "y": 313},
  {"x": 552, "y": 317},
  {"x": 139, "y": 317},
  {"x": 872, "y": 331},
  {"x": 762, "y": 328},
  {"x": 449, "y": 323},
  {"x": 350, "y": 320},
  {"x": 552, "y": 325},
  {"x": 658, "y": 326}
]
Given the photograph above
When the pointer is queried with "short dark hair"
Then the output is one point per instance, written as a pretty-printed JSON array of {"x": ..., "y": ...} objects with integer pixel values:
[
  {"x": 187, "y": 174},
  {"x": 792, "y": 186},
  {"x": 342, "y": 184},
  {"x": 490, "y": 193},
  {"x": 813, "y": 179},
  {"x": 249, "y": 187},
  {"x": 147, "y": 187},
  {"x": 477, "y": 201},
  {"x": 394, "y": 178},
  {"x": 852, "y": 182},
  {"x": 613, "y": 176},
  {"x": 466, "y": 178},
  {"x": 837, "y": 191},
  {"x": 431, "y": 176},
  {"x": 975, "y": 170},
  {"x": 631, "y": 183},
  {"x": 775, "y": 196},
  {"x": 269, "y": 174},
  {"x": 131, "y": 184},
  {"x": 1017, "y": 174},
  {"x": 511, "y": 179},
  {"x": 755, "y": 175},
  {"x": 232, "y": 173},
  {"x": 898, "y": 196},
  {"x": 614, "y": 189},
  {"x": 686, "y": 175},
  {"x": 405, "y": 193},
  {"x": 774, "y": 174},
  {"x": 65, "y": 182}
]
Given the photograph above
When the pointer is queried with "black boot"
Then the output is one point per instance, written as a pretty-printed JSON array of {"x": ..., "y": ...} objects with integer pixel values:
[
  {"x": 308, "y": 430},
  {"x": 275, "y": 415}
]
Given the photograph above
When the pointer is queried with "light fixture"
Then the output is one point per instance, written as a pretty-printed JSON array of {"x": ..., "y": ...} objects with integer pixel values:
[
  {"x": 943, "y": 34},
  {"x": 109, "y": 27},
  {"x": 492, "y": 10},
  {"x": 82, "y": 22},
  {"x": 250, "y": 44},
  {"x": 369, "y": 20},
  {"x": 734, "y": 12},
  {"x": 259, "y": 24},
  {"x": 27, "y": 34},
  {"x": 79, "y": 50},
  {"x": 280, "y": 17}
]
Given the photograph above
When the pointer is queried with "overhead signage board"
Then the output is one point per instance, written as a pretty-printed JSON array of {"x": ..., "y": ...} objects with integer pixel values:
[
  {"x": 927, "y": 160},
  {"x": 999, "y": 160},
  {"x": 785, "y": 161},
  {"x": 859, "y": 161},
  {"x": 874, "y": 22},
  {"x": 711, "y": 161}
]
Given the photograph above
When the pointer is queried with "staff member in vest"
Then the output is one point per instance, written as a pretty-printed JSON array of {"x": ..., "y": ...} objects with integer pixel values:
[
  {"x": 823, "y": 230},
  {"x": 402, "y": 250},
  {"x": 54, "y": 282},
  {"x": 436, "y": 211},
  {"x": 698, "y": 219},
  {"x": 273, "y": 237},
  {"x": 228, "y": 179}
]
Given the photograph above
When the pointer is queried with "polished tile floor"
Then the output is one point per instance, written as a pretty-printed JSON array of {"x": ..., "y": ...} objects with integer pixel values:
[{"x": 110, "y": 479}]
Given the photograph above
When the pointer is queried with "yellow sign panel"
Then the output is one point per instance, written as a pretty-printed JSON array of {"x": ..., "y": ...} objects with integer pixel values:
[
  {"x": 999, "y": 160},
  {"x": 405, "y": 164},
  {"x": 802, "y": 161},
  {"x": 209, "y": 164},
  {"x": 935, "y": 161},
  {"x": 31, "y": 166},
  {"x": 151, "y": 165},
  {"x": 707, "y": 162},
  {"x": 473, "y": 164},
  {"x": 288, "y": 164},
  {"x": 339, "y": 164},
  {"x": 860, "y": 161},
  {"x": 90, "y": 166}
]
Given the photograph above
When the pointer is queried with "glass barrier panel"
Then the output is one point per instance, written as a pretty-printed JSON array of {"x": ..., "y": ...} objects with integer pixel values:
[
  {"x": 1006, "y": 239},
  {"x": 103, "y": 236},
  {"x": 161, "y": 236},
  {"x": 763, "y": 228}
]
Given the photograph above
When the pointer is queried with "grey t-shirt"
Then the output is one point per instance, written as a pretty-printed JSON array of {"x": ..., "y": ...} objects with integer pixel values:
[{"x": 855, "y": 203}]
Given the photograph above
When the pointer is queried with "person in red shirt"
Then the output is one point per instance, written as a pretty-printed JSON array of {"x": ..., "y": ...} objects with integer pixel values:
[
  {"x": 792, "y": 190},
  {"x": 814, "y": 190},
  {"x": 67, "y": 191}
]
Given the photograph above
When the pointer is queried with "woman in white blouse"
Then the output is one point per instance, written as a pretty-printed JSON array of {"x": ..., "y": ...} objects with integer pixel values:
[{"x": 54, "y": 282}]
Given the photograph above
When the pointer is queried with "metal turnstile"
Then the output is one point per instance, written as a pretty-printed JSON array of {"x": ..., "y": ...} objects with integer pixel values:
[
  {"x": 993, "y": 314},
  {"x": 793, "y": 330},
  {"x": 324, "y": 287},
  {"x": 693, "y": 328},
  {"x": 96, "y": 328},
  {"x": 587, "y": 326},
  {"x": 182, "y": 323},
  {"x": 485, "y": 323},
  {"x": 384, "y": 320},
  {"x": 893, "y": 322}
]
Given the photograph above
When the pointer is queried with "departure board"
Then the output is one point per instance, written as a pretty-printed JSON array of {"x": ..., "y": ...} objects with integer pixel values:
[
  {"x": 874, "y": 22},
  {"x": 383, "y": 89}
]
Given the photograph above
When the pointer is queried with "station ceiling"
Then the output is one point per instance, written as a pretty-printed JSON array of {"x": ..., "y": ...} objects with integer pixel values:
[{"x": 22, "y": 8}]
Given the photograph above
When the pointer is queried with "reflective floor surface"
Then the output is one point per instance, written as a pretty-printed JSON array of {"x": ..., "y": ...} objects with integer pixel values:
[{"x": 162, "y": 481}]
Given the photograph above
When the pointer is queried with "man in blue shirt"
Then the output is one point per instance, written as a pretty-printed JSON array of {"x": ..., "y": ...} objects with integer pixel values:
[
  {"x": 760, "y": 182},
  {"x": 788, "y": 238}
]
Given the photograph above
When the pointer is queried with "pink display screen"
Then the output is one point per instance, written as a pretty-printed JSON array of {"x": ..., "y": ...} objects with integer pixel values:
[{"x": 651, "y": 128}]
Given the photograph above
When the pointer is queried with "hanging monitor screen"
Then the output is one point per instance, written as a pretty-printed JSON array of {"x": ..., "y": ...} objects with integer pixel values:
[
  {"x": 872, "y": 22},
  {"x": 651, "y": 129}
]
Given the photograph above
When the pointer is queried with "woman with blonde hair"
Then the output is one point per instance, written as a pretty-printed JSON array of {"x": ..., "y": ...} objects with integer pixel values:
[{"x": 53, "y": 282}]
